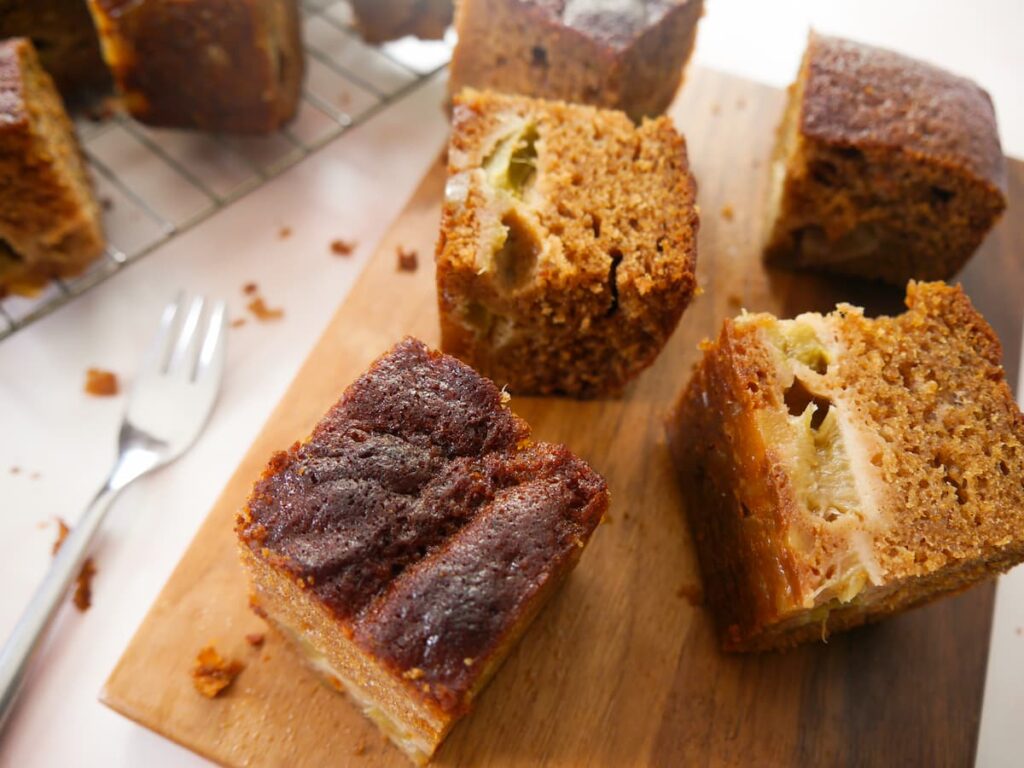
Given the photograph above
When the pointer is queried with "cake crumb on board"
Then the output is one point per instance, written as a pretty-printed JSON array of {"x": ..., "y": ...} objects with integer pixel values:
[
  {"x": 212, "y": 674},
  {"x": 408, "y": 259},
  {"x": 691, "y": 593},
  {"x": 284, "y": 233},
  {"x": 255, "y": 639},
  {"x": 727, "y": 212},
  {"x": 100, "y": 383}
]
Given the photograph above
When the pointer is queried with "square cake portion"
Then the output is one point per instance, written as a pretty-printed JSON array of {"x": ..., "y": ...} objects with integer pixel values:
[
  {"x": 232, "y": 67},
  {"x": 839, "y": 468},
  {"x": 65, "y": 39},
  {"x": 405, "y": 546},
  {"x": 568, "y": 243},
  {"x": 627, "y": 54},
  {"x": 381, "y": 20},
  {"x": 49, "y": 219},
  {"x": 884, "y": 167}
]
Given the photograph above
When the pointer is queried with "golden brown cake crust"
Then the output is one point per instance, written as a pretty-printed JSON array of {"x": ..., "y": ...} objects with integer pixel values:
[
  {"x": 572, "y": 283},
  {"x": 423, "y": 519},
  {"x": 219, "y": 65},
  {"x": 884, "y": 167},
  {"x": 863, "y": 96},
  {"x": 49, "y": 220},
  {"x": 629, "y": 55},
  {"x": 840, "y": 469}
]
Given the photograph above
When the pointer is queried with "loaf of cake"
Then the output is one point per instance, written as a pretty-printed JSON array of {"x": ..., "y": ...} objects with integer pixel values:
[
  {"x": 232, "y": 66},
  {"x": 65, "y": 40},
  {"x": 49, "y": 219},
  {"x": 404, "y": 547},
  {"x": 626, "y": 54},
  {"x": 884, "y": 167},
  {"x": 381, "y": 20},
  {"x": 839, "y": 469},
  {"x": 568, "y": 243}
]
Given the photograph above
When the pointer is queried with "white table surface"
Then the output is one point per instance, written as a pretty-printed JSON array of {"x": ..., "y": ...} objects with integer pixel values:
[{"x": 62, "y": 441}]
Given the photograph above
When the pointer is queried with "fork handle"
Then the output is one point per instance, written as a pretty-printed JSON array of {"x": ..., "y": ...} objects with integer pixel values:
[{"x": 24, "y": 640}]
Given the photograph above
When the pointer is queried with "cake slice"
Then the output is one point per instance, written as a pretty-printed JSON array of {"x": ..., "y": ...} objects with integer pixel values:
[
  {"x": 623, "y": 54},
  {"x": 49, "y": 219},
  {"x": 839, "y": 469},
  {"x": 410, "y": 540},
  {"x": 232, "y": 67},
  {"x": 568, "y": 243},
  {"x": 65, "y": 39},
  {"x": 885, "y": 167},
  {"x": 381, "y": 20}
]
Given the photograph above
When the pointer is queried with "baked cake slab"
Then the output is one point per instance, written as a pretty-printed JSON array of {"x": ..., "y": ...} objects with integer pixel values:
[
  {"x": 410, "y": 540},
  {"x": 839, "y": 468},
  {"x": 568, "y": 243}
]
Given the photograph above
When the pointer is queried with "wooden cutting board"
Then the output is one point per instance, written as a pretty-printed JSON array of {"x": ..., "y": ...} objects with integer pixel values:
[{"x": 622, "y": 667}]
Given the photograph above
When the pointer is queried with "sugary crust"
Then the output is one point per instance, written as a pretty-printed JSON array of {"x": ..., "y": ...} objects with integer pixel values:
[
  {"x": 943, "y": 451},
  {"x": 220, "y": 65},
  {"x": 423, "y": 522},
  {"x": 613, "y": 223},
  {"x": 863, "y": 96},
  {"x": 49, "y": 220}
]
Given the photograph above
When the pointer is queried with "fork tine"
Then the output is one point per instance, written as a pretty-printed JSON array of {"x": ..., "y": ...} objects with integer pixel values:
[
  {"x": 211, "y": 354},
  {"x": 159, "y": 349},
  {"x": 185, "y": 349}
]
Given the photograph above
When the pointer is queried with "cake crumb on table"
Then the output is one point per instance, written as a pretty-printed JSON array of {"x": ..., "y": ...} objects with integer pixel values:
[
  {"x": 212, "y": 674},
  {"x": 238, "y": 322},
  {"x": 261, "y": 311},
  {"x": 83, "y": 584},
  {"x": 734, "y": 300},
  {"x": 62, "y": 533},
  {"x": 250, "y": 288},
  {"x": 284, "y": 233},
  {"x": 727, "y": 212},
  {"x": 100, "y": 383},
  {"x": 15, "y": 470},
  {"x": 408, "y": 259},
  {"x": 341, "y": 247},
  {"x": 255, "y": 639}
]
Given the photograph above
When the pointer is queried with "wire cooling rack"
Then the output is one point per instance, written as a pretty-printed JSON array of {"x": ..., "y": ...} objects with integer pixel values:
[{"x": 155, "y": 183}]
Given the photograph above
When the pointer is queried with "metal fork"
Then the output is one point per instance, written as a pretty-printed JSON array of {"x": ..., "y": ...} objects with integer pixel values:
[{"x": 167, "y": 409}]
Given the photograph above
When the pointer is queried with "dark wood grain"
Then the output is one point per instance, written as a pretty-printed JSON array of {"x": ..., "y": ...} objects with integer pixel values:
[{"x": 621, "y": 668}]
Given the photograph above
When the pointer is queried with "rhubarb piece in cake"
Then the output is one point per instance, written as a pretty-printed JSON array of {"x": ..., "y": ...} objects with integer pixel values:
[
  {"x": 65, "y": 39},
  {"x": 885, "y": 167},
  {"x": 381, "y": 20},
  {"x": 411, "y": 539},
  {"x": 234, "y": 67},
  {"x": 839, "y": 469},
  {"x": 627, "y": 54},
  {"x": 49, "y": 220},
  {"x": 568, "y": 243}
]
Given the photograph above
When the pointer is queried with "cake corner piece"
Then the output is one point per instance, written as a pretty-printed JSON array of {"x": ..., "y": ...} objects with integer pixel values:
[
  {"x": 839, "y": 468},
  {"x": 408, "y": 542},
  {"x": 859, "y": 188}
]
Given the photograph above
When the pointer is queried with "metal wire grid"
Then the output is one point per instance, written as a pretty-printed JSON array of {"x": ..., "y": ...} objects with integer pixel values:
[{"x": 155, "y": 184}]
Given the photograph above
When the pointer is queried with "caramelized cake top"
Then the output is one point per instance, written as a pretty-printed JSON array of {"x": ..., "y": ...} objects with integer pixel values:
[
  {"x": 858, "y": 95},
  {"x": 422, "y": 517}
]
